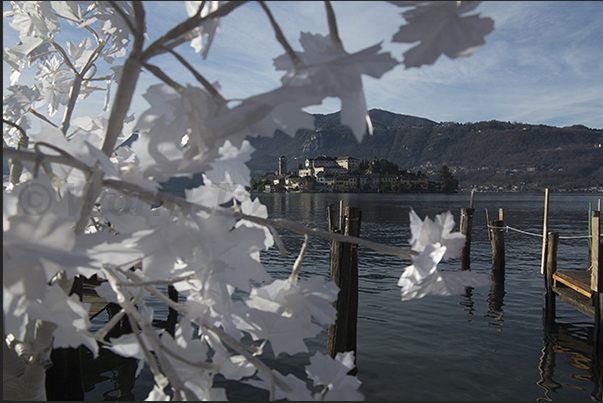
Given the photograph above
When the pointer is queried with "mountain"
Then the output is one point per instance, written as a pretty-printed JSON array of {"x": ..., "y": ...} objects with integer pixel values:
[{"x": 492, "y": 154}]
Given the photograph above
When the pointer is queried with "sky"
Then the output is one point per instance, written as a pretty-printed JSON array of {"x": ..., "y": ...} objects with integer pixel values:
[{"x": 542, "y": 64}]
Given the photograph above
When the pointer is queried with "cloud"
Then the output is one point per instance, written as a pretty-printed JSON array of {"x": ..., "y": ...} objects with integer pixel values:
[{"x": 541, "y": 64}]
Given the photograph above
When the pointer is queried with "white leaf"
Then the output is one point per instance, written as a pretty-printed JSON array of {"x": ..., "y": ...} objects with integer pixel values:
[
  {"x": 332, "y": 373},
  {"x": 69, "y": 314},
  {"x": 333, "y": 73},
  {"x": 442, "y": 30},
  {"x": 422, "y": 278}
]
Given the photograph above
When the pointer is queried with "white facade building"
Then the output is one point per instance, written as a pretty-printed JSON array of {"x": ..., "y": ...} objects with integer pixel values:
[{"x": 348, "y": 163}]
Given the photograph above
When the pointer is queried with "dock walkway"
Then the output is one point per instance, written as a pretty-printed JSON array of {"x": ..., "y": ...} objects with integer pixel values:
[
  {"x": 580, "y": 289},
  {"x": 573, "y": 288},
  {"x": 89, "y": 295}
]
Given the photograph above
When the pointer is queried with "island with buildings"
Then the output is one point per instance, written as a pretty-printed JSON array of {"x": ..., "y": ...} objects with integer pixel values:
[{"x": 349, "y": 175}]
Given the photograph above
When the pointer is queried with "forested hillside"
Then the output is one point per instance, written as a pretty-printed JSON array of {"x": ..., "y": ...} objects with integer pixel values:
[{"x": 492, "y": 154}]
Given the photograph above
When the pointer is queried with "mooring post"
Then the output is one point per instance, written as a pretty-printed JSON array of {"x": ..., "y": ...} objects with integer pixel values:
[
  {"x": 497, "y": 241},
  {"x": 466, "y": 227},
  {"x": 545, "y": 229},
  {"x": 331, "y": 218},
  {"x": 344, "y": 273},
  {"x": 596, "y": 280},
  {"x": 341, "y": 216},
  {"x": 172, "y": 318},
  {"x": 550, "y": 269}
]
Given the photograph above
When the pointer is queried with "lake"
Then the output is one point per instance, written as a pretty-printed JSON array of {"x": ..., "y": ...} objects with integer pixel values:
[{"x": 487, "y": 344}]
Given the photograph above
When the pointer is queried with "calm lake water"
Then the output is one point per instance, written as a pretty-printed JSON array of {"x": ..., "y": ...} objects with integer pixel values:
[{"x": 486, "y": 344}]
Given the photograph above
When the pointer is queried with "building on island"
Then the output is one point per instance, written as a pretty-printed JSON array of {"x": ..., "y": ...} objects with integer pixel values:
[
  {"x": 349, "y": 163},
  {"x": 282, "y": 165},
  {"x": 326, "y": 165},
  {"x": 341, "y": 174},
  {"x": 345, "y": 183}
]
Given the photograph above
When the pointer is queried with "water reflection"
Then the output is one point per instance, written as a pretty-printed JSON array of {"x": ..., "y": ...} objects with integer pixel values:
[
  {"x": 573, "y": 345},
  {"x": 110, "y": 377},
  {"x": 468, "y": 303},
  {"x": 496, "y": 298},
  {"x": 527, "y": 367}
]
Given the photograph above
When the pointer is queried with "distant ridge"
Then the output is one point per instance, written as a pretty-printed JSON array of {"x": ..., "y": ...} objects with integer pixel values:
[{"x": 511, "y": 156}]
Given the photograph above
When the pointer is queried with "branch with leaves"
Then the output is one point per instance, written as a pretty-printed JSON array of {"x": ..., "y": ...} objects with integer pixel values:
[{"x": 103, "y": 212}]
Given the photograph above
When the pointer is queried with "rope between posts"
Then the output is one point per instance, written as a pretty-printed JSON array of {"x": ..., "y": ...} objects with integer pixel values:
[{"x": 507, "y": 228}]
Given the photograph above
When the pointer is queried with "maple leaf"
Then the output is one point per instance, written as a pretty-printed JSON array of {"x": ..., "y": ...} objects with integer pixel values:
[
  {"x": 441, "y": 29},
  {"x": 333, "y": 373},
  {"x": 69, "y": 314},
  {"x": 80, "y": 54},
  {"x": 330, "y": 72},
  {"x": 282, "y": 311},
  {"x": 436, "y": 232},
  {"x": 422, "y": 278},
  {"x": 435, "y": 241}
]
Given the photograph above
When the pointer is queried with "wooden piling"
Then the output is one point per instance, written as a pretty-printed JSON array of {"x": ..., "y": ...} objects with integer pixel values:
[
  {"x": 545, "y": 230},
  {"x": 596, "y": 280},
  {"x": 497, "y": 241},
  {"x": 172, "y": 318},
  {"x": 331, "y": 218},
  {"x": 466, "y": 227},
  {"x": 550, "y": 270},
  {"x": 344, "y": 273},
  {"x": 341, "y": 216}
]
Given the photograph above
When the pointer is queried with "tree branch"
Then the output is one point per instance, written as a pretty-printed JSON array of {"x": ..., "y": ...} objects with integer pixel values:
[
  {"x": 157, "y": 72},
  {"x": 167, "y": 200},
  {"x": 210, "y": 88},
  {"x": 334, "y": 32},
  {"x": 16, "y": 168},
  {"x": 150, "y": 335},
  {"x": 297, "y": 63},
  {"x": 123, "y": 15},
  {"x": 33, "y": 156},
  {"x": 160, "y": 45},
  {"x": 172, "y": 201},
  {"x": 127, "y": 83}
]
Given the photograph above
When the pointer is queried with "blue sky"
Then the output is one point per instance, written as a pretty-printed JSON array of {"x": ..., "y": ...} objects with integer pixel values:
[{"x": 543, "y": 63}]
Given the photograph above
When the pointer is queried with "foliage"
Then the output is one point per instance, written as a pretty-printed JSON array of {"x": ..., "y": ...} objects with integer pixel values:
[
  {"x": 447, "y": 183},
  {"x": 83, "y": 201},
  {"x": 382, "y": 166}
]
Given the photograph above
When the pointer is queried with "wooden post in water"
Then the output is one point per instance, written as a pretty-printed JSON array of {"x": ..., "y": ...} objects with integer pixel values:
[
  {"x": 550, "y": 269},
  {"x": 172, "y": 318},
  {"x": 596, "y": 280},
  {"x": 545, "y": 229},
  {"x": 497, "y": 241},
  {"x": 344, "y": 273},
  {"x": 466, "y": 226},
  {"x": 341, "y": 216}
]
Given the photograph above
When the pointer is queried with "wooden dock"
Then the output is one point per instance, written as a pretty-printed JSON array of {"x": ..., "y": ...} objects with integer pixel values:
[
  {"x": 573, "y": 288},
  {"x": 89, "y": 295},
  {"x": 580, "y": 289}
]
